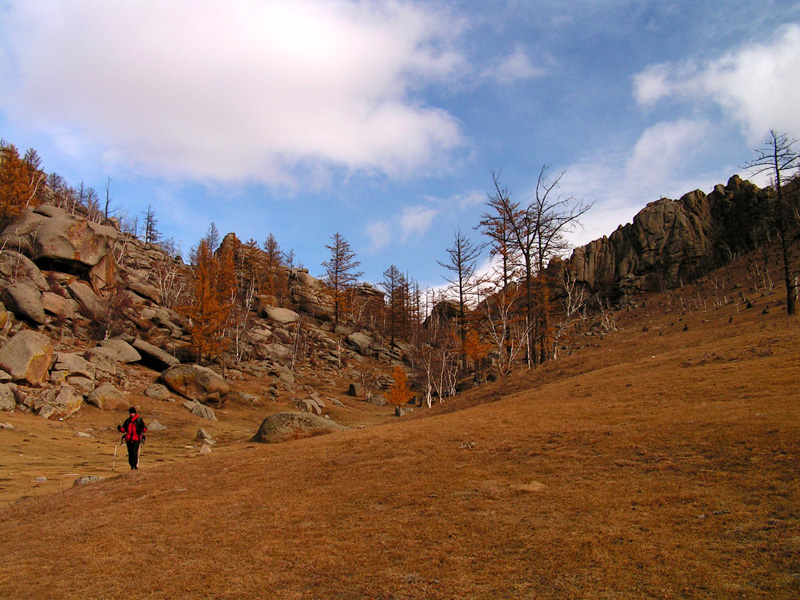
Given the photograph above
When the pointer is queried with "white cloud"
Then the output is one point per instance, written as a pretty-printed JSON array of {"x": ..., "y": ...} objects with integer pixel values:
[
  {"x": 662, "y": 149},
  {"x": 756, "y": 85},
  {"x": 514, "y": 67},
  {"x": 662, "y": 163},
  {"x": 236, "y": 89},
  {"x": 415, "y": 221},
  {"x": 379, "y": 234},
  {"x": 460, "y": 201}
]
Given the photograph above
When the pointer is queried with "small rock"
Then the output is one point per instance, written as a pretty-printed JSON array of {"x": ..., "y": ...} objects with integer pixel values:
[
  {"x": 206, "y": 449},
  {"x": 356, "y": 390},
  {"x": 6, "y": 426},
  {"x": 40, "y": 479},
  {"x": 203, "y": 436},
  {"x": 82, "y": 434},
  {"x": 156, "y": 426},
  {"x": 7, "y": 399}
]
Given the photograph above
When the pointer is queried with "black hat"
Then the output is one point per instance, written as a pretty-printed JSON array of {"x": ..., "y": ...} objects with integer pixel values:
[{"x": 132, "y": 410}]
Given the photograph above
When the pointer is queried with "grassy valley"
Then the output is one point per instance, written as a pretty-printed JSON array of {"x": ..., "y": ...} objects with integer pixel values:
[{"x": 659, "y": 461}]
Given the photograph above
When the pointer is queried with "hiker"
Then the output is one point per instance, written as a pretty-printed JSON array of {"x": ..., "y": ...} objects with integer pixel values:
[{"x": 133, "y": 429}]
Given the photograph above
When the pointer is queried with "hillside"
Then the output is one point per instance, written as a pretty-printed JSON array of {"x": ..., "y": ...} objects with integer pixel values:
[{"x": 659, "y": 461}]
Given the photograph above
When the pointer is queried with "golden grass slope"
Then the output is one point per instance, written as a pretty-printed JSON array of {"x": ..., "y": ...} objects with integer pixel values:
[{"x": 650, "y": 464}]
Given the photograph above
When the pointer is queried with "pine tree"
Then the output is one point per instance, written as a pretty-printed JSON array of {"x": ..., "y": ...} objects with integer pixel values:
[
  {"x": 151, "y": 234},
  {"x": 396, "y": 289},
  {"x": 340, "y": 273}
]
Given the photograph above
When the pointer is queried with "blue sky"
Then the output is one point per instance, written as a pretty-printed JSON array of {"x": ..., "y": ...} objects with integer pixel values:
[{"x": 384, "y": 120}]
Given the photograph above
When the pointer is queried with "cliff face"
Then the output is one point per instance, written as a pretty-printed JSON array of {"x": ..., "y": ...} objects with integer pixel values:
[{"x": 670, "y": 241}]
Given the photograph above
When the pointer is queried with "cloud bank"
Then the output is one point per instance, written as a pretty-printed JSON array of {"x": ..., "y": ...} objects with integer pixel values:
[
  {"x": 755, "y": 86},
  {"x": 260, "y": 90}
]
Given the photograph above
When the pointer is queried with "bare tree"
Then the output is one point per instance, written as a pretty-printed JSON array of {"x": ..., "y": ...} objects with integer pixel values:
[
  {"x": 501, "y": 324},
  {"x": 780, "y": 160},
  {"x": 573, "y": 302},
  {"x": 108, "y": 197},
  {"x": 538, "y": 232},
  {"x": 463, "y": 258}
]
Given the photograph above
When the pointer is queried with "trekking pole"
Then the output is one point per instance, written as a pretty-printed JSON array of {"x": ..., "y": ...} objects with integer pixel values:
[{"x": 114, "y": 462}]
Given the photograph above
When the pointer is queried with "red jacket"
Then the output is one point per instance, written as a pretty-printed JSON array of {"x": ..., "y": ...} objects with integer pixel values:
[{"x": 133, "y": 428}]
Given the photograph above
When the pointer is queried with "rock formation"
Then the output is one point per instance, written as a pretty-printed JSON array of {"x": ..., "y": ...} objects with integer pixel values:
[
  {"x": 87, "y": 303},
  {"x": 671, "y": 241}
]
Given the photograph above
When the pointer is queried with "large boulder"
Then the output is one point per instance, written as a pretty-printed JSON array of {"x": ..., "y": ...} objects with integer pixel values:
[
  {"x": 283, "y": 316},
  {"x": 361, "y": 342},
  {"x": 285, "y": 426},
  {"x": 17, "y": 267},
  {"x": 91, "y": 304},
  {"x": 108, "y": 397},
  {"x": 356, "y": 390},
  {"x": 70, "y": 240},
  {"x": 59, "y": 306},
  {"x": 121, "y": 350},
  {"x": 196, "y": 383},
  {"x": 154, "y": 356},
  {"x": 145, "y": 290},
  {"x": 72, "y": 364},
  {"x": 27, "y": 357},
  {"x": 25, "y": 302}
]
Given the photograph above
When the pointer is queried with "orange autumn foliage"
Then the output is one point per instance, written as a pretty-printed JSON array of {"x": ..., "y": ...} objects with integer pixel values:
[
  {"x": 210, "y": 308},
  {"x": 399, "y": 393}
]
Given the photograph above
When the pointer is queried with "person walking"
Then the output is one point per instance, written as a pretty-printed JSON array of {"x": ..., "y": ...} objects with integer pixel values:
[{"x": 133, "y": 430}]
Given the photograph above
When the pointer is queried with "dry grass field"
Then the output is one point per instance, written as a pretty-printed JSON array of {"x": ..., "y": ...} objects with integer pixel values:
[{"x": 660, "y": 461}]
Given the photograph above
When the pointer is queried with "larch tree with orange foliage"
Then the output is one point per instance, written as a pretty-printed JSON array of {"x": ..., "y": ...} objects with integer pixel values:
[
  {"x": 474, "y": 348},
  {"x": 21, "y": 182},
  {"x": 399, "y": 393},
  {"x": 210, "y": 308}
]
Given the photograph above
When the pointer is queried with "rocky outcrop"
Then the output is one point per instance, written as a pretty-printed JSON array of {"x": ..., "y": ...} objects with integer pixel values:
[
  {"x": 61, "y": 402},
  {"x": 309, "y": 294},
  {"x": 90, "y": 304},
  {"x": 19, "y": 268},
  {"x": 671, "y": 241}
]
